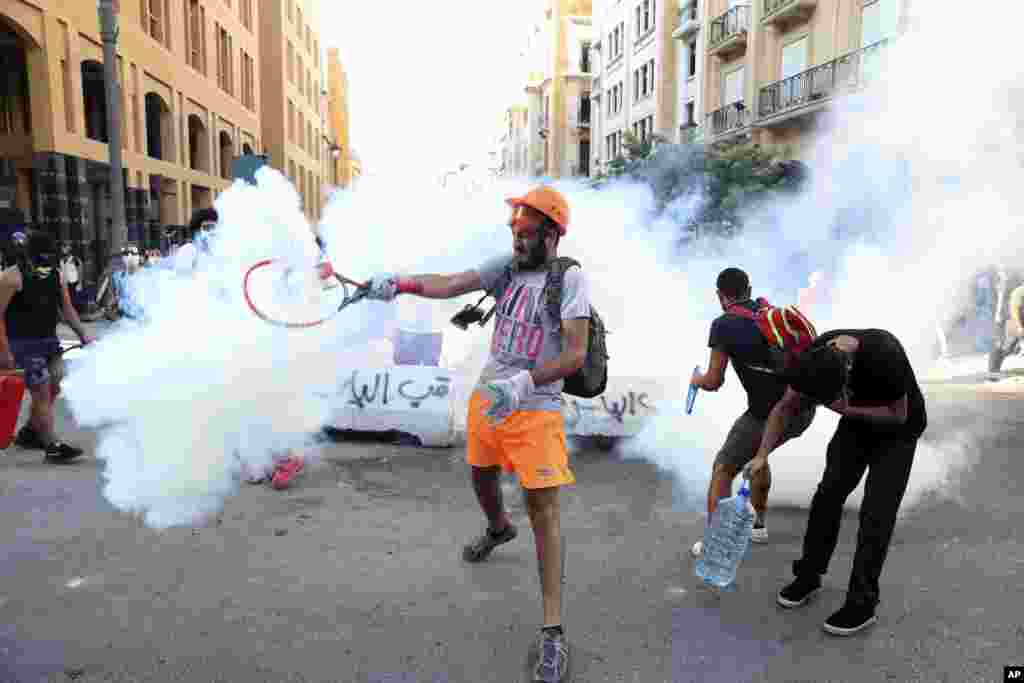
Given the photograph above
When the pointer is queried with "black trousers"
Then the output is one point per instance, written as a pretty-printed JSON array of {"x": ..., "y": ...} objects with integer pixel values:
[{"x": 888, "y": 460}]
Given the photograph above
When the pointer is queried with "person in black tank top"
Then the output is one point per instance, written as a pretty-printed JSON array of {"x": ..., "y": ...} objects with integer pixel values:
[{"x": 32, "y": 298}]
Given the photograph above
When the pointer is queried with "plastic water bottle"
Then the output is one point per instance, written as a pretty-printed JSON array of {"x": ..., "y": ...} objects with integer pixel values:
[
  {"x": 691, "y": 395},
  {"x": 726, "y": 539}
]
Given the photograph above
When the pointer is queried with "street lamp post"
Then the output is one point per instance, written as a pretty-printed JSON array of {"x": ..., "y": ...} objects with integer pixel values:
[
  {"x": 335, "y": 154},
  {"x": 108, "y": 11}
]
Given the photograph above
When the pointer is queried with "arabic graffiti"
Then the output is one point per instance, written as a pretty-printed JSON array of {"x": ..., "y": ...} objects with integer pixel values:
[
  {"x": 379, "y": 389},
  {"x": 579, "y": 410}
]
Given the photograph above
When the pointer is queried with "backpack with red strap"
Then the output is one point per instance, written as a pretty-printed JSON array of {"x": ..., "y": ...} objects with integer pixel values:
[{"x": 785, "y": 328}]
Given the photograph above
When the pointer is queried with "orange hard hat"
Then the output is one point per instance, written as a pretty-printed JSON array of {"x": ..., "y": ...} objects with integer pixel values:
[{"x": 549, "y": 202}]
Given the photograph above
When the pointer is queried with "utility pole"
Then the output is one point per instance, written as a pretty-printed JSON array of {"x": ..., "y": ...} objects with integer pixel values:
[{"x": 108, "y": 10}]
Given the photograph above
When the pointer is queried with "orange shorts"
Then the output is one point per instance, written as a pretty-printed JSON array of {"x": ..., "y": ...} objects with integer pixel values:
[{"x": 529, "y": 443}]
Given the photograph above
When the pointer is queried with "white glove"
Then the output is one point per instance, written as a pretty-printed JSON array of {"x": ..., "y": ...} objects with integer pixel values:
[
  {"x": 382, "y": 288},
  {"x": 507, "y": 394}
]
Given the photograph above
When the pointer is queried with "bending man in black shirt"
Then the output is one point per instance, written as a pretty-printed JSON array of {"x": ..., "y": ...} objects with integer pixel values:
[
  {"x": 737, "y": 338},
  {"x": 866, "y": 377}
]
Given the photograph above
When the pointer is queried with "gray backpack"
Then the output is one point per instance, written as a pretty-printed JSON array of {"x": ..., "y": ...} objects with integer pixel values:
[{"x": 590, "y": 380}]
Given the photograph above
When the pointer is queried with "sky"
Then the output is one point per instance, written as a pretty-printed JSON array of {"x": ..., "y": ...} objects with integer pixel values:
[{"x": 428, "y": 82}]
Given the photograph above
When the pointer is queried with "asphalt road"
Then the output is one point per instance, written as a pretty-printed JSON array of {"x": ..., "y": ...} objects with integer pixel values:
[{"x": 355, "y": 575}]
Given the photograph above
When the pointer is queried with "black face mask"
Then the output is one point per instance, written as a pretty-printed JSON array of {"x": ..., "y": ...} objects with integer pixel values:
[{"x": 43, "y": 260}]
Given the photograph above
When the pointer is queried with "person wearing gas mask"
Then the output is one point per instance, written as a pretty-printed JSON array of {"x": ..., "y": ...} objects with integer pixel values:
[
  {"x": 200, "y": 229},
  {"x": 124, "y": 297},
  {"x": 71, "y": 270},
  {"x": 515, "y": 420},
  {"x": 33, "y": 295}
]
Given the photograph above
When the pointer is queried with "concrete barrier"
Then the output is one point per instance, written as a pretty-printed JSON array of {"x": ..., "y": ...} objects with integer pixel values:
[{"x": 406, "y": 398}]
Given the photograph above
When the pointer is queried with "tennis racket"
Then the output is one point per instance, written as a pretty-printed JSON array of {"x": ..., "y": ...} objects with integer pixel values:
[
  {"x": 691, "y": 395},
  {"x": 287, "y": 297}
]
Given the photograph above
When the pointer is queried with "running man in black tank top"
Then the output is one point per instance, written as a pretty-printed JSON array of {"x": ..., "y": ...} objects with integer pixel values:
[{"x": 32, "y": 298}]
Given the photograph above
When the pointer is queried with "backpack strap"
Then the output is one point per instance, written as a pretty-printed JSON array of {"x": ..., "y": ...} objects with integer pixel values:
[{"x": 555, "y": 283}]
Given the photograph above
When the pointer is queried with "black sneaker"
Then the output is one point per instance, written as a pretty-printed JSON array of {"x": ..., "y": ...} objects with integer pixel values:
[
  {"x": 799, "y": 592},
  {"x": 849, "y": 620},
  {"x": 552, "y": 658},
  {"x": 478, "y": 550},
  {"x": 58, "y": 451},
  {"x": 29, "y": 438}
]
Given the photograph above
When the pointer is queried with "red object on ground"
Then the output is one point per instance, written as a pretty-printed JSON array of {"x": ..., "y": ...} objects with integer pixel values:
[
  {"x": 325, "y": 270},
  {"x": 12, "y": 391},
  {"x": 286, "y": 471}
]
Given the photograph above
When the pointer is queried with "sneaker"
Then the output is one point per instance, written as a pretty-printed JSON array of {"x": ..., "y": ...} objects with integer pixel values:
[
  {"x": 552, "y": 658},
  {"x": 286, "y": 471},
  {"x": 759, "y": 534},
  {"x": 58, "y": 451},
  {"x": 481, "y": 548},
  {"x": 849, "y": 620},
  {"x": 799, "y": 592},
  {"x": 698, "y": 549},
  {"x": 29, "y": 438}
]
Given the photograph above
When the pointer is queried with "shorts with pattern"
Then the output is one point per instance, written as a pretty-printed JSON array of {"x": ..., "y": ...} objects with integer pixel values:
[{"x": 40, "y": 359}]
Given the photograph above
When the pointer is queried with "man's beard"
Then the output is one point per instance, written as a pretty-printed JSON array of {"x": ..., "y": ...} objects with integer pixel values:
[{"x": 536, "y": 257}]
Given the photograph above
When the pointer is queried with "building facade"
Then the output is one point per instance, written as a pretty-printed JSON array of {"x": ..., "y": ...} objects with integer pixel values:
[
  {"x": 514, "y": 145},
  {"x": 558, "y": 90},
  {"x": 772, "y": 65},
  {"x": 340, "y": 147},
  {"x": 689, "y": 70},
  {"x": 291, "y": 76},
  {"x": 190, "y": 101},
  {"x": 636, "y": 82}
]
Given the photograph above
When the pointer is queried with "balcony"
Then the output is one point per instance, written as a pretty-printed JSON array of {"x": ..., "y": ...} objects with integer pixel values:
[
  {"x": 809, "y": 91},
  {"x": 729, "y": 119},
  {"x": 689, "y": 22},
  {"x": 782, "y": 13},
  {"x": 727, "y": 35},
  {"x": 688, "y": 133}
]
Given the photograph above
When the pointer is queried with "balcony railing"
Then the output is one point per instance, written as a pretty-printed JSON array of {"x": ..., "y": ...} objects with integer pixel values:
[
  {"x": 729, "y": 118},
  {"x": 786, "y": 11},
  {"x": 844, "y": 73},
  {"x": 729, "y": 28},
  {"x": 689, "y": 21},
  {"x": 688, "y": 133}
]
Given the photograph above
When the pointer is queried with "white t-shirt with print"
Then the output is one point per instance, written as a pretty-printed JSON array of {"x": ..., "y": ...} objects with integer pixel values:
[{"x": 525, "y": 335}]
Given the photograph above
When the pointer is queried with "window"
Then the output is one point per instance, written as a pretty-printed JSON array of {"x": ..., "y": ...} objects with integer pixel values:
[
  {"x": 309, "y": 40},
  {"x": 650, "y": 77},
  {"x": 692, "y": 71},
  {"x": 879, "y": 20},
  {"x": 248, "y": 81},
  {"x": 644, "y": 18},
  {"x": 301, "y": 74},
  {"x": 245, "y": 13},
  {"x": 225, "y": 72},
  {"x": 585, "y": 108},
  {"x": 639, "y": 22},
  {"x": 690, "y": 114},
  {"x": 290, "y": 11},
  {"x": 290, "y": 61},
  {"x": 636, "y": 84},
  {"x": 585, "y": 58},
  {"x": 302, "y": 131},
  {"x": 316, "y": 54},
  {"x": 298, "y": 22},
  {"x": 794, "y": 58},
  {"x": 195, "y": 36},
  {"x": 154, "y": 15},
  {"x": 291, "y": 122},
  {"x": 732, "y": 87}
]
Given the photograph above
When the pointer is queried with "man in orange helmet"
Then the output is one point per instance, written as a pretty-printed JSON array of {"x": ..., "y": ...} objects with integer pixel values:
[{"x": 515, "y": 420}]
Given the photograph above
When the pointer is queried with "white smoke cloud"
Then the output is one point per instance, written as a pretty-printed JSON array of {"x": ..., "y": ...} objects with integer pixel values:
[{"x": 927, "y": 161}]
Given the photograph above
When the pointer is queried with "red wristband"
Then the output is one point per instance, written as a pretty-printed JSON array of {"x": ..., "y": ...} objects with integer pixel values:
[{"x": 409, "y": 286}]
